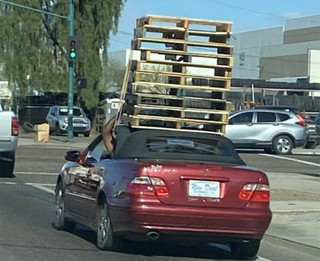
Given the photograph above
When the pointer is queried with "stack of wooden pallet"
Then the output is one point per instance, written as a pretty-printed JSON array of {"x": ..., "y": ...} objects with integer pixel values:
[{"x": 182, "y": 76}]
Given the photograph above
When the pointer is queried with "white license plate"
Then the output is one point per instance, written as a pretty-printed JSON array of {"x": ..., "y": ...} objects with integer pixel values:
[{"x": 201, "y": 188}]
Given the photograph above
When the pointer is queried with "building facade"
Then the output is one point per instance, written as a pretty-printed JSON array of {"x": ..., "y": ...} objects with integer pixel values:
[{"x": 287, "y": 53}]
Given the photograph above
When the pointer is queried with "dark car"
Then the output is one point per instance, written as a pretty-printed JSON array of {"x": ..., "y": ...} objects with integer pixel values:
[{"x": 164, "y": 185}]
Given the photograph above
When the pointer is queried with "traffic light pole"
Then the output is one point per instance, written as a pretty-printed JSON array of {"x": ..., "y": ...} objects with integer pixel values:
[
  {"x": 70, "y": 18},
  {"x": 71, "y": 74}
]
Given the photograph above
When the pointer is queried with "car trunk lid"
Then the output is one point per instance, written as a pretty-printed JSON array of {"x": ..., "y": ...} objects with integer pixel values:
[{"x": 205, "y": 185}]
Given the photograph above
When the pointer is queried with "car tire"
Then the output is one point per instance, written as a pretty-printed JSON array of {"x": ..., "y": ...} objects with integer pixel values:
[
  {"x": 27, "y": 127},
  {"x": 248, "y": 250},
  {"x": 60, "y": 222},
  {"x": 86, "y": 134},
  {"x": 282, "y": 144},
  {"x": 57, "y": 130},
  {"x": 7, "y": 164},
  {"x": 105, "y": 236},
  {"x": 75, "y": 134},
  {"x": 311, "y": 145}
]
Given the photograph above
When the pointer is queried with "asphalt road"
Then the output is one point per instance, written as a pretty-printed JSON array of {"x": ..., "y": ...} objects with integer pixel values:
[{"x": 26, "y": 214}]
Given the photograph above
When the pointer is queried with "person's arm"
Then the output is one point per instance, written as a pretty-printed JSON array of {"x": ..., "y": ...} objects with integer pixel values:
[{"x": 107, "y": 134}]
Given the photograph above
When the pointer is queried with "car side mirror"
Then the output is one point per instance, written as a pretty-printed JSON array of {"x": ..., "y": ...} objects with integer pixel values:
[{"x": 72, "y": 155}]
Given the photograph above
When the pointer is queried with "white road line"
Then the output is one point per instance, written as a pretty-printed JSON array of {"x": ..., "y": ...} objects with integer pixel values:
[
  {"x": 36, "y": 173},
  {"x": 41, "y": 187},
  {"x": 291, "y": 159},
  {"x": 262, "y": 259},
  {"x": 8, "y": 183}
]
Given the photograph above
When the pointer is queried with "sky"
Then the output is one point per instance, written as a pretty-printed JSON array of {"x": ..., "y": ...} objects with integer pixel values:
[{"x": 246, "y": 15}]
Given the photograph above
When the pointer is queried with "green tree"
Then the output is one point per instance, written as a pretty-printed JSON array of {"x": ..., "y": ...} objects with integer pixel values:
[{"x": 34, "y": 44}]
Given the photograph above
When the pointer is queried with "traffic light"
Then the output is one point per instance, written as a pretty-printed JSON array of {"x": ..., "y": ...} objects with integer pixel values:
[{"x": 73, "y": 48}]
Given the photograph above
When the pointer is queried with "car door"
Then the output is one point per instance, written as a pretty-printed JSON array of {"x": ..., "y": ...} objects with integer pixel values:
[
  {"x": 240, "y": 129},
  {"x": 51, "y": 116},
  {"x": 265, "y": 126},
  {"x": 84, "y": 180}
]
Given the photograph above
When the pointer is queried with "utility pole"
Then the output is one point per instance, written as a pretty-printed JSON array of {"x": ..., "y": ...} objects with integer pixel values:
[
  {"x": 70, "y": 18},
  {"x": 71, "y": 74}
]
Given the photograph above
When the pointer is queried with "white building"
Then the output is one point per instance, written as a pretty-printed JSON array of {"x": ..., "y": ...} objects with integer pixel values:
[{"x": 283, "y": 53}]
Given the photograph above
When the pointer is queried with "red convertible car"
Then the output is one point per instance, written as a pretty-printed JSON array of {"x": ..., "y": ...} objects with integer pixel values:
[{"x": 164, "y": 185}]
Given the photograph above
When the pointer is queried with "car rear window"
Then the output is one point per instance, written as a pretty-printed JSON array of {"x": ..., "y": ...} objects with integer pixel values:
[
  {"x": 266, "y": 117},
  {"x": 283, "y": 117},
  {"x": 188, "y": 146}
]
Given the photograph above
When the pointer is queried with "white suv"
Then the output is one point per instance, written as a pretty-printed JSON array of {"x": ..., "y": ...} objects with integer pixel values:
[
  {"x": 57, "y": 119},
  {"x": 274, "y": 131}
]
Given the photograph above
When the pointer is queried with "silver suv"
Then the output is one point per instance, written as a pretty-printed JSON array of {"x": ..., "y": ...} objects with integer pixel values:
[
  {"x": 57, "y": 118},
  {"x": 272, "y": 130}
]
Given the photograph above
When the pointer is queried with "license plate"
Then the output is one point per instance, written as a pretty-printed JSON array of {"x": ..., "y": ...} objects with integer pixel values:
[{"x": 201, "y": 188}]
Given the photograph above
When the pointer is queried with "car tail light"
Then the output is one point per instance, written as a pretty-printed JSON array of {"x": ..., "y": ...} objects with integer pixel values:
[
  {"x": 302, "y": 121},
  {"x": 144, "y": 185},
  {"x": 255, "y": 192},
  {"x": 14, "y": 126}
]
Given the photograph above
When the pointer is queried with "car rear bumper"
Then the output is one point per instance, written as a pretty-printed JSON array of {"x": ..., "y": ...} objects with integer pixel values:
[
  {"x": 222, "y": 224},
  {"x": 8, "y": 145}
]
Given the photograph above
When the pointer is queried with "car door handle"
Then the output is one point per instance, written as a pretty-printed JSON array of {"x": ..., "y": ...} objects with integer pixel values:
[{"x": 250, "y": 124}]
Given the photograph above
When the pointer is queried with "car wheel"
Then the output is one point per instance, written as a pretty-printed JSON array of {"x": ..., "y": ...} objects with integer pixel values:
[
  {"x": 7, "y": 165},
  {"x": 105, "y": 236},
  {"x": 75, "y": 134},
  {"x": 86, "y": 134},
  {"x": 61, "y": 223},
  {"x": 282, "y": 145},
  {"x": 57, "y": 131},
  {"x": 247, "y": 250},
  {"x": 311, "y": 145}
]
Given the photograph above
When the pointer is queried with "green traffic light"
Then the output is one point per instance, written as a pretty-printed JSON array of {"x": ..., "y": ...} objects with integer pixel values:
[{"x": 73, "y": 55}]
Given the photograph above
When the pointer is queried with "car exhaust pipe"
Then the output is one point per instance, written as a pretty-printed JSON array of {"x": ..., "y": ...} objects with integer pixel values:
[{"x": 153, "y": 235}]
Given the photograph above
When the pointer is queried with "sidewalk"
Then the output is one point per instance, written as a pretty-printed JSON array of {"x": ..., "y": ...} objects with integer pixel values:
[{"x": 295, "y": 203}]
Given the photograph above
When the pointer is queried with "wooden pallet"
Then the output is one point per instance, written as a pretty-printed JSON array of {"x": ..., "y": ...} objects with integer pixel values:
[
  {"x": 221, "y": 59},
  {"x": 157, "y": 122},
  {"x": 152, "y": 31},
  {"x": 178, "y": 44},
  {"x": 166, "y": 88},
  {"x": 180, "y": 78},
  {"x": 181, "y": 67},
  {"x": 217, "y": 116},
  {"x": 220, "y": 26},
  {"x": 174, "y": 100}
]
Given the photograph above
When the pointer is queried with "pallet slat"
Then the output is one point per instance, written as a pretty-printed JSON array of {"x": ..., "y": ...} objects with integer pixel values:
[
  {"x": 184, "y": 22},
  {"x": 172, "y": 100},
  {"x": 182, "y": 42}
]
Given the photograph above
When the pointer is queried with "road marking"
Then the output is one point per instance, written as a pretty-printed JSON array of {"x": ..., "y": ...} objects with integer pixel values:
[
  {"x": 36, "y": 173},
  {"x": 8, "y": 183},
  {"x": 296, "y": 160},
  {"x": 262, "y": 259},
  {"x": 41, "y": 187}
]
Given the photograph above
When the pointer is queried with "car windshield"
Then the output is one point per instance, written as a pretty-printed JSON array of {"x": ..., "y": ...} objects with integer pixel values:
[{"x": 64, "y": 112}]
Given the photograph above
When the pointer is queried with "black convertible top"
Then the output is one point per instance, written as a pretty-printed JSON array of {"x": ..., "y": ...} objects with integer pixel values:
[{"x": 174, "y": 145}]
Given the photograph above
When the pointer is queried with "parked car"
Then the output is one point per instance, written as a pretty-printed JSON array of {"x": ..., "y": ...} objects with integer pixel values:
[
  {"x": 161, "y": 185},
  {"x": 317, "y": 122},
  {"x": 272, "y": 130},
  {"x": 57, "y": 119},
  {"x": 312, "y": 136},
  {"x": 9, "y": 131}
]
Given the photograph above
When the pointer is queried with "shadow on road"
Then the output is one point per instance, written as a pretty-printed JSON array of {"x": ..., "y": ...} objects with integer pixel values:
[{"x": 161, "y": 248}]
